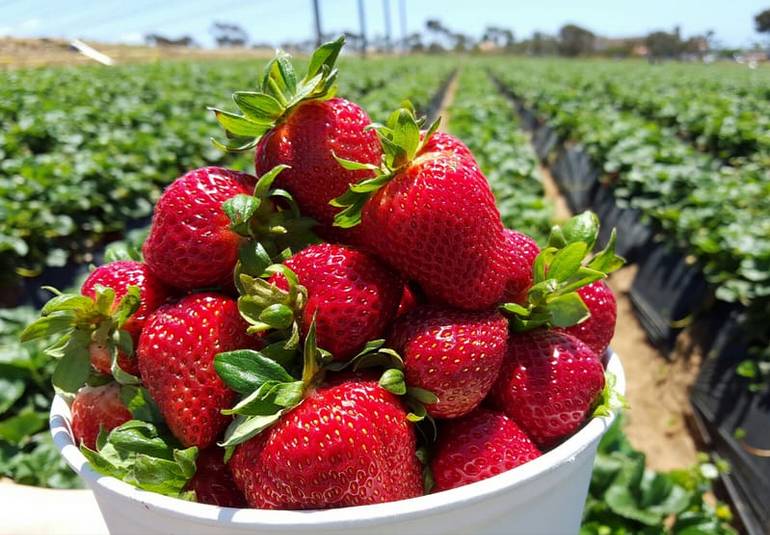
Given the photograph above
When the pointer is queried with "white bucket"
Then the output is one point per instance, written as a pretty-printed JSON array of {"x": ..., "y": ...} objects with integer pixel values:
[{"x": 542, "y": 496}]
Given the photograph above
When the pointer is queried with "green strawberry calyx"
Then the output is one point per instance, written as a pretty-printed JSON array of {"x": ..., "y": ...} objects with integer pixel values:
[
  {"x": 78, "y": 322},
  {"x": 563, "y": 267},
  {"x": 271, "y": 223},
  {"x": 140, "y": 454},
  {"x": 279, "y": 92},
  {"x": 402, "y": 140}
]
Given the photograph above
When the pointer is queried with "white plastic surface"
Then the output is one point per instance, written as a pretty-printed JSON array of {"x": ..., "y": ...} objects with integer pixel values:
[{"x": 544, "y": 496}]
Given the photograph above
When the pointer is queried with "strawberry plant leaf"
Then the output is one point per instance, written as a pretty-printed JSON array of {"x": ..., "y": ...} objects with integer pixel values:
[
  {"x": 567, "y": 261},
  {"x": 259, "y": 108},
  {"x": 324, "y": 56},
  {"x": 245, "y": 427},
  {"x": 393, "y": 381},
  {"x": 567, "y": 310},
  {"x": 246, "y": 370}
]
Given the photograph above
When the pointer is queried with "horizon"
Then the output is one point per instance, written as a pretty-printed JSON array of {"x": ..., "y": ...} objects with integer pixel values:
[{"x": 112, "y": 21}]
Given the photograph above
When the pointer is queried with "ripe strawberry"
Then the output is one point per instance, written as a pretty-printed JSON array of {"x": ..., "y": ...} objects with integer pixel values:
[
  {"x": 409, "y": 301},
  {"x": 176, "y": 353},
  {"x": 307, "y": 141},
  {"x": 191, "y": 244},
  {"x": 523, "y": 250},
  {"x": 548, "y": 384},
  {"x": 213, "y": 482},
  {"x": 443, "y": 142},
  {"x": 596, "y": 331},
  {"x": 351, "y": 294},
  {"x": 119, "y": 276},
  {"x": 97, "y": 407},
  {"x": 452, "y": 353},
  {"x": 478, "y": 446},
  {"x": 348, "y": 443},
  {"x": 433, "y": 217},
  {"x": 296, "y": 122}
]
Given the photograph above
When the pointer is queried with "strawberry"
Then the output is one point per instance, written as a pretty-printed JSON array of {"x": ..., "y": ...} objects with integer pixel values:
[
  {"x": 300, "y": 124},
  {"x": 307, "y": 140},
  {"x": 454, "y": 354},
  {"x": 96, "y": 407},
  {"x": 443, "y": 142},
  {"x": 523, "y": 250},
  {"x": 596, "y": 331},
  {"x": 119, "y": 276},
  {"x": 191, "y": 244},
  {"x": 548, "y": 384},
  {"x": 176, "y": 353},
  {"x": 352, "y": 296},
  {"x": 213, "y": 482},
  {"x": 478, "y": 446},
  {"x": 348, "y": 443},
  {"x": 409, "y": 301},
  {"x": 432, "y": 216}
]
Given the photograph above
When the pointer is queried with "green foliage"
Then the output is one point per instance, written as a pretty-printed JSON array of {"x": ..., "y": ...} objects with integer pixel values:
[
  {"x": 27, "y": 453},
  {"x": 626, "y": 497}
]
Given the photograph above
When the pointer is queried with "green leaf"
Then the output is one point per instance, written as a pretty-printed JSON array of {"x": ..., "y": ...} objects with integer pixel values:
[
  {"x": 582, "y": 228},
  {"x": 239, "y": 125},
  {"x": 406, "y": 133},
  {"x": 245, "y": 427},
  {"x": 11, "y": 390},
  {"x": 128, "y": 304},
  {"x": 246, "y": 370},
  {"x": 324, "y": 56},
  {"x": 74, "y": 367},
  {"x": 138, "y": 400},
  {"x": 567, "y": 310},
  {"x": 240, "y": 209},
  {"x": 607, "y": 261},
  {"x": 16, "y": 429},
  {"x": 266, "y": 181},
  {"x": 350, "y": 165},
  {"x": 393, "y": 381},
  {"x": 259, "y": 108},
  {"x": 514, "y": 308},
  {"x": 54, "y": 323},
  {"x": 278, "y": 316},
  {"x": 567, "y": 261},
  {"x": 64, "y": 302},
  {"x": 139, "y": 455},
  {"x": 423, "y": 396}
]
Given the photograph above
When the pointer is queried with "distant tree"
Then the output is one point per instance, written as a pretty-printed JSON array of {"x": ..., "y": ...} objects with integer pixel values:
[
  {"x": 575, "y": 41},
  {"x": 229, "y": 34},
  {"x": 501, "y": 37},
  {"x": 414, "y": 42},
  {"x": 542, "y": 45},
  {"x": 664, "y": 45},
  {"x": 762, "y": 21},
  {"x": 154, "y": 39}
]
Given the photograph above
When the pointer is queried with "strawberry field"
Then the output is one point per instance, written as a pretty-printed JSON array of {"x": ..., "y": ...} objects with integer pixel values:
[{"x": 675, "y": 157}]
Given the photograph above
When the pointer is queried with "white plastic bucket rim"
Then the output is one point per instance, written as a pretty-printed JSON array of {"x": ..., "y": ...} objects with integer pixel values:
[{"x": 330, "y": 519}]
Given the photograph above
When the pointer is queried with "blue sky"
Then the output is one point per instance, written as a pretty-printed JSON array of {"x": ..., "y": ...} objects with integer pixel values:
[{"x": 274, "y": 21}]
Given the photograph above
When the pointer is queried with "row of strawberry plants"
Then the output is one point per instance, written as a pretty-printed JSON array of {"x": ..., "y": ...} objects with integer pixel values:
[
  {"x": 488, "y": 124},
  {"x": 728, "y": 119},
  {"x": 719, "y": 213},
  {"x": 86, "y": 150}
]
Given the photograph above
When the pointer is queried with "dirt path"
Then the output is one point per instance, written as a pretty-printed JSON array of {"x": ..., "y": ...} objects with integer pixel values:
[{"x": 446, "y": 101}]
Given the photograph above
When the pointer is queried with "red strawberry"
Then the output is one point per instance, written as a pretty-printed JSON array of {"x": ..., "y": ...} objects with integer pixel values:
[
  {"x": 437, "y": 223},
  {"x": 213, "y": 482},
  {"x": 191, "y": 244},
  {"x": 176, "y": 354},
  {"x": 452, "y": 353},
  {"x": 478, "y": 446},
  {"x": 523, "y": 250},
  {"x": 352, "y": 295},
  {"x": 97, "y": 407},
  {"x": 348, "y": 443},
  {"x": 597, "y": 331},
  {"x": 548, "y": 384},
  {"x": 443, "y": 142},
  {"x": 307, "y": 141},
  {"x": 119, "y": 276},
  {"x": 409, "y": 301}
]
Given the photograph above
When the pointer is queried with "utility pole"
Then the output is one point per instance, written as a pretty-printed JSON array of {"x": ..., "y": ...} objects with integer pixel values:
[
  {"x": 317, "y": 13},
  {"x": 402, "y": 20},
  {"x": 362, "y": 23},
  {"x": 388, "y": 37}
]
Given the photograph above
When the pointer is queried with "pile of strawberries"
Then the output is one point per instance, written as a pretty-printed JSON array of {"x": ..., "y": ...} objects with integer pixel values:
[{"x": 352, "y": 325}]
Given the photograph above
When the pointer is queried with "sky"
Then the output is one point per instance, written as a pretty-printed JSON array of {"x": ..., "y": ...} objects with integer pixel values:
[{"x": 276, "y": 21}]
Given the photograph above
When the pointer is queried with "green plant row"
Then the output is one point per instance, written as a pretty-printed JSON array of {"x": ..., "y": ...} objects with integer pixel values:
[
  {"x": 487, "y": 123},
  {"x": 85, "y": 150}
]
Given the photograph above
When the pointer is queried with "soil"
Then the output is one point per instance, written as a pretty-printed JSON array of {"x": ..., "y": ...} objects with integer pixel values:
[{"x": 16, "y": 53}]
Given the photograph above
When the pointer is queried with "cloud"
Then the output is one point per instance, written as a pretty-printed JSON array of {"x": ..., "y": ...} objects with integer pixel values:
[{"x": 29, "y": 24}]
